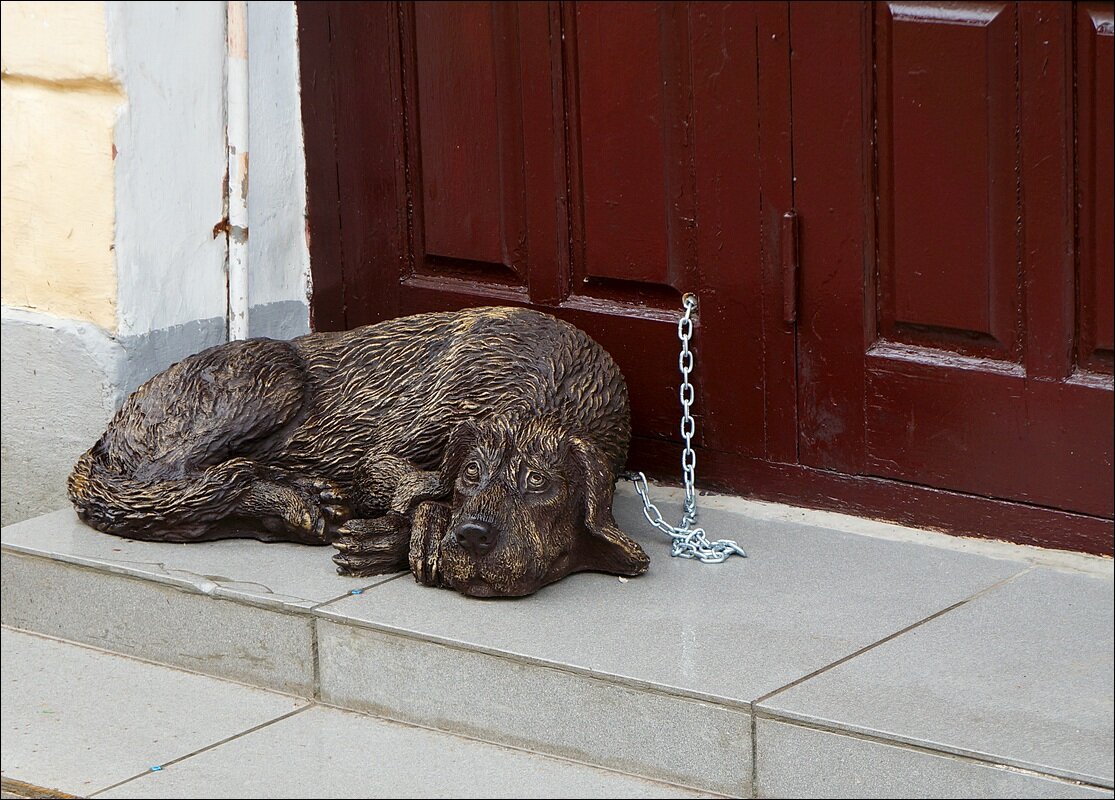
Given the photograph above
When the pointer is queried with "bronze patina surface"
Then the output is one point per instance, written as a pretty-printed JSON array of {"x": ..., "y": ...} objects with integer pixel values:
[{"x": 479, "y": 447}]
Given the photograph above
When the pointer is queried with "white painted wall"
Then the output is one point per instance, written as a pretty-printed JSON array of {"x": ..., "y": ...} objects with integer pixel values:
[
  {"x": 171, "y": 165},
  {"x": 170, "y": 162},
  {"x": 278, "y": 255}
]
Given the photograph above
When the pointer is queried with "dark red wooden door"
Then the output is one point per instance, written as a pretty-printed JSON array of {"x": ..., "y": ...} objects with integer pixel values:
[
  {"x": 950, "y": 363},
  {"x": 596, "y": 160},
  {"x": 957, "y": 323}
]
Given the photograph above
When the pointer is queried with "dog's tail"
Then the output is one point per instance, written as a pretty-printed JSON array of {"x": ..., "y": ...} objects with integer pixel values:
[{"x": 117, "y": 500}]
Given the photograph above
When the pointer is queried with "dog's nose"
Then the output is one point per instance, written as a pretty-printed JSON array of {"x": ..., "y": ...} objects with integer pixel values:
[{"x": 477, "y": 538}]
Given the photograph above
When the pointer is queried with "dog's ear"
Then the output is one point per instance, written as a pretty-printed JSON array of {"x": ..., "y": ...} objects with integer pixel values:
[
  {"x": 461, "y": 440},
  {"x": 607, "y": 548}
]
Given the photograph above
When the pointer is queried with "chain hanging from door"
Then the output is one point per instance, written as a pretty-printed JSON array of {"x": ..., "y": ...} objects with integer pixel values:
[{"x": 688, "y": 541}]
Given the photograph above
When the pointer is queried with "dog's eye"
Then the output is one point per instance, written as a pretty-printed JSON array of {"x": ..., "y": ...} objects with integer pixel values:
[
  {"x": 472, "y": 471},
  {"x": 535, "y": 480}
]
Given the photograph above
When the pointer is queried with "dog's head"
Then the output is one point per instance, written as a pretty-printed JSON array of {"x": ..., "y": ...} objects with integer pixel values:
[{"x": 530, "y": 504}]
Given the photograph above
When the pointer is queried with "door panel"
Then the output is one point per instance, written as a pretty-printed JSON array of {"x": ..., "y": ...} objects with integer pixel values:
[
  {"x": 632, "y": 173},
  {"x": 947, "y": 269},
  {"x": 970, "y": 428},
  {"x": 469, "y": 106},
  {"x": 955, "y": 377},
  {"x": 468, "y": 163}
]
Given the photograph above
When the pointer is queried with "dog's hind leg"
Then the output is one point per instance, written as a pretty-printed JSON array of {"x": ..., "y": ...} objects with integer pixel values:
[{"x": 186, "y": 457}]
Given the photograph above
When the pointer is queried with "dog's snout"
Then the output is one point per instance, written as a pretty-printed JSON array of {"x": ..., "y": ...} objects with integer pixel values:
[{"x": 477, "y": 538}]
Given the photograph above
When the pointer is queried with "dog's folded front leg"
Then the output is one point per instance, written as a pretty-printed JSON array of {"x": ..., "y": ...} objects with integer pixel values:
[
  {"x": 383, "y": 482},
  {"x": 393, "y": 542},
  {"x": 401, "y": 522},
  {"x": 429, "y": 526}
]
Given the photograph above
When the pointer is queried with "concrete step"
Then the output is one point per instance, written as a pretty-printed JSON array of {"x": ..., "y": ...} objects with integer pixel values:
[
  {"x": 93, "y": 724},
  {"x": 844, "y": 658}
]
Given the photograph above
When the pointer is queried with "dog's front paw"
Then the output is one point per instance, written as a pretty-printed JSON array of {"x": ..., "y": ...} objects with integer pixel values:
[
  {"x": 429, "y": 524},
  {"x": 372, "y": 546}
]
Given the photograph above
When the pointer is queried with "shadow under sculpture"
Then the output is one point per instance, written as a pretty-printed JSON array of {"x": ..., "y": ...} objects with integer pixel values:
[{"x": 479, "y": 448}]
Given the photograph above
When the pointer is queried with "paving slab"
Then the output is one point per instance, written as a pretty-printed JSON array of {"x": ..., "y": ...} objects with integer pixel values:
[
  {"x": 1021, "y": 675},
  {"x": 324, "y": 752},
  {"x": 80, "y": 720},
  {"x": 655, "y": 734},
  {"x": 797, "y": 761},
  {"x": 159, "y": 621},
  {"x": 279, "y": 575},
  {"x": 730, "y": 632}
]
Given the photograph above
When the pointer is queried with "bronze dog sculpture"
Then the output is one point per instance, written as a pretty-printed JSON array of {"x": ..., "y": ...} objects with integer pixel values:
[{"x": 480, "y": 448}]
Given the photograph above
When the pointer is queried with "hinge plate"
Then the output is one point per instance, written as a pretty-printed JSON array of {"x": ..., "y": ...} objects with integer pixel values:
[{"x": 789, "y": 245}]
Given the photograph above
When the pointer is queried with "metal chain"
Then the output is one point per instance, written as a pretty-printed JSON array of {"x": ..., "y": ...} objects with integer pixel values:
[{"x": 688, "y": 541}]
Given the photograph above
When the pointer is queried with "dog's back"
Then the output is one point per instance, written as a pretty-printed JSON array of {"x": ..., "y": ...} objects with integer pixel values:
[{"x": 403, "y": 384}]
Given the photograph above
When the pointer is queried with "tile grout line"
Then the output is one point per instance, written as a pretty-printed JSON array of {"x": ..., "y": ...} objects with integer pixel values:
[
  {"x": 888, "y": 638},
  {"x": 754, "y": 755},
  {"x": 207, "y": 747},
  {"x": 315, "y": 627},
  {"x": 363, "y": 589},
  {"x": 315, "y": 660},
  {"x": 925, "y": 749}
]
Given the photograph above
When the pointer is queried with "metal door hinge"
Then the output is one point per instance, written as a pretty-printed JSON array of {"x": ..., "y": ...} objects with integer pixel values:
[{"x": 789, "y": 244}]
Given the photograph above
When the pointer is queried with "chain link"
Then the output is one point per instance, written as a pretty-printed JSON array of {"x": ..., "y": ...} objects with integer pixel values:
[{"x": 688, "y": 541}]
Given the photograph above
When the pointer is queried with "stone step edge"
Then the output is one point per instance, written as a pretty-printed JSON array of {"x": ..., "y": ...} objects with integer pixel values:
[{"x": 933, "y": 749}]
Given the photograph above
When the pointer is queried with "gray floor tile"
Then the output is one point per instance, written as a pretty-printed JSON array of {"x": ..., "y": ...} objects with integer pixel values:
[
  {"x": 1020, "y": 675},
  {"x": 324, "y": 752},
  {"x": 737, "y": 630},
  {"x": 286, "y": 575},
  {"x": 79, "y": 720},
  {"x": 499, "y": 699},
  {"x": 157, "y": 621},
  {"x": 796, "y": 761}
]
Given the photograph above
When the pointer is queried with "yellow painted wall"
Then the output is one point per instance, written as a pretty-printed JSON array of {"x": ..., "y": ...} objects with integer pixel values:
[{"x": 59, "y": 104}]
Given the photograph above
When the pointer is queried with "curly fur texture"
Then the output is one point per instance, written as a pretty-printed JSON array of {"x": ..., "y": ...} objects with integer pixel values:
[{"x": 353, "y": 438}]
